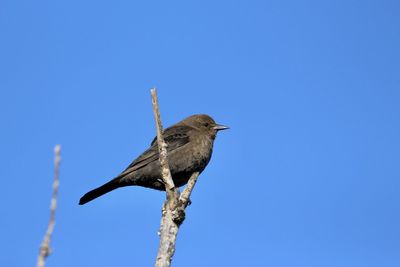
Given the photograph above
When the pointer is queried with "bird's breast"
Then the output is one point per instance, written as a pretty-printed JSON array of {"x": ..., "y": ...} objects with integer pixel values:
[
  {"x": 201, "y": 152},
  {"x": 192, "y": 157}
]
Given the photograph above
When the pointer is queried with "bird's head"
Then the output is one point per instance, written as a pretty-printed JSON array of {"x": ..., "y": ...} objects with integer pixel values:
[{"x": 205, "y": 123}]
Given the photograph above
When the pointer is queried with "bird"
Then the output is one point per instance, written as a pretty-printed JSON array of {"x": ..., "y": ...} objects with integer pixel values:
[{"x": 189, "y": 148}]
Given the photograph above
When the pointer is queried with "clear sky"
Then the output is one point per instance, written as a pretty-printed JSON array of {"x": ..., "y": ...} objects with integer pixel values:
[{"x": 308, "y": 175}]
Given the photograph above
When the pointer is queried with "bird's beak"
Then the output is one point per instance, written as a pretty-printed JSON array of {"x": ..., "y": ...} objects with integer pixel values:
[{"x": 220, "y": 127}]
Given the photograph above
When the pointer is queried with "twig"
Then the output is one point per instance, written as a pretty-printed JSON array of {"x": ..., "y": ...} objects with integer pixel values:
[
  {"x": 173, "y": 212},
  {"x": 185, "y": 196},
  {"x": 162, "y": 148},
  {"x": 45, "y": 248}
]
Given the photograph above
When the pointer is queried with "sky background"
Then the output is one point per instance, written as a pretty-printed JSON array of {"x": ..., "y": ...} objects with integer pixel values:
[{"x": 308, "y": 175}]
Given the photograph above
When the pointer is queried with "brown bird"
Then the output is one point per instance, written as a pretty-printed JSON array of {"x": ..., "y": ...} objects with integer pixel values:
[{"x": 189, "y": 146}]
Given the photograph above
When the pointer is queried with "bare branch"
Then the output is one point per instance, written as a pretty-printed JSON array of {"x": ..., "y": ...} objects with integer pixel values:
[
  {"x": 168, "y": 229},
  {"x": 162, "y": 146},
  {"x": 185, "y": 196},
  {"x": 173, "y": 212},
  {"x": 45, "y": 248}
]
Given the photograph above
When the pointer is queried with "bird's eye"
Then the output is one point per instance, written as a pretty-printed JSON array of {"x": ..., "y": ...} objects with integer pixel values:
[{"x": 206, "y": 124}]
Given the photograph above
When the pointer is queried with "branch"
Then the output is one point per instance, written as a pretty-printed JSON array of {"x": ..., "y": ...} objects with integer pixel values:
[
  {"x": 45, "y": 249},
  {"x": 162, "y": 150},
  {"x": 173, "y": 212},
  {"x": 184, "y": 199}
]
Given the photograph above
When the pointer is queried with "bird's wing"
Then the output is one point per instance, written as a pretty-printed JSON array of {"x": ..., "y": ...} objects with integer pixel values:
[{"x": 175, "y": 137}]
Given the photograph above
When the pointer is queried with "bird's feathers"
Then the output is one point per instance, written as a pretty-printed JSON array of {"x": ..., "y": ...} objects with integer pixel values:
[
  {"x": 189, "y": 147},
  {"x": 175, "y": 137}
]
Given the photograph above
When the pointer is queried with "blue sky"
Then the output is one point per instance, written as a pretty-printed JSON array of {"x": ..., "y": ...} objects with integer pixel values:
[{"x": 308, "y": 174}]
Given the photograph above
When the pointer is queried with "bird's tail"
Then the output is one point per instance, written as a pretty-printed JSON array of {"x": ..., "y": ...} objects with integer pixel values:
[{"x": 99, "y": 191}]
